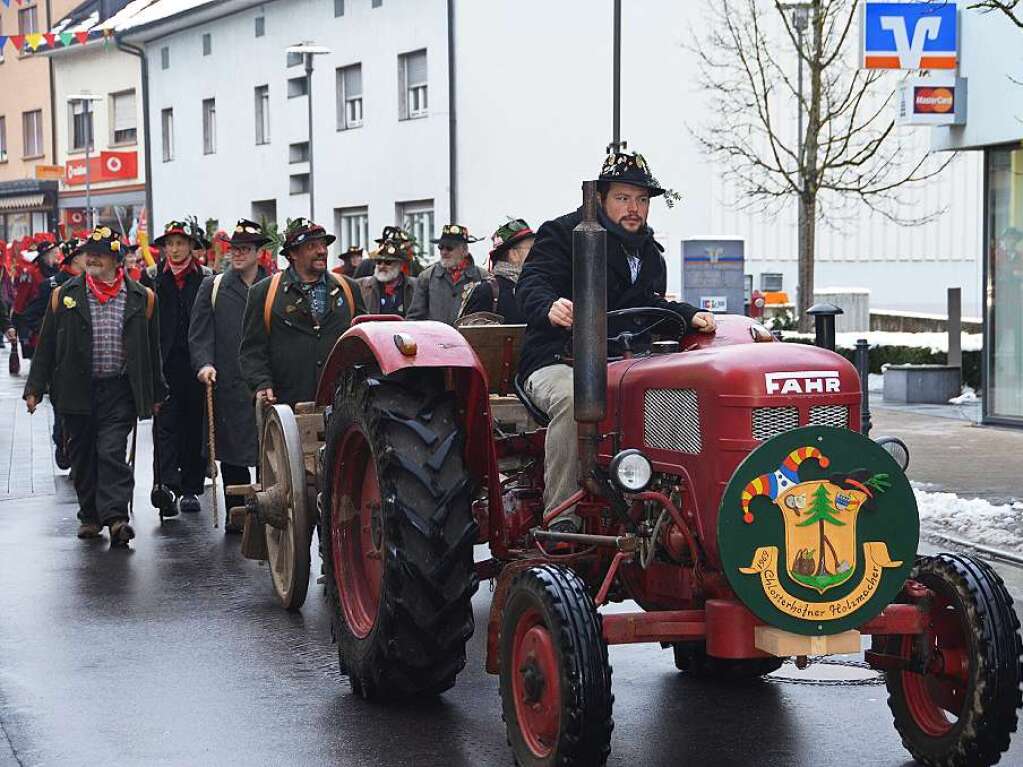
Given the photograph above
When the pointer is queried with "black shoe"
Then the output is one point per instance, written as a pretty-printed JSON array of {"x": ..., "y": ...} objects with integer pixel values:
[
  {"x": 120, "y": 533},
  {"x": 61, "y": 457},
  {"x": 189, "y": 504}
]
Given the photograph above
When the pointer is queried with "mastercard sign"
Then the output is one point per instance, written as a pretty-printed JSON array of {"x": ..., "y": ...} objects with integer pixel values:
[{"x": 925, "y": 102}]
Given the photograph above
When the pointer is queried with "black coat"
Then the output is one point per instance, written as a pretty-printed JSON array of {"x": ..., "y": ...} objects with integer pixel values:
[
  {"x": 62, "y": 364},
  {"x": 547, "y": 276},
  {"x": 36, "y": 308},
  {"x": 482, "y": 300},
  {"x": 214, "y": 337},
  {"x": 175, "y": 309},
  {"x": 289, "y": 358}
]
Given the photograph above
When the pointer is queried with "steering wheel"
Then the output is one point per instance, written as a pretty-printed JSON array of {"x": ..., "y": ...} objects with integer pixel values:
[{"x": 655, "y": 313}]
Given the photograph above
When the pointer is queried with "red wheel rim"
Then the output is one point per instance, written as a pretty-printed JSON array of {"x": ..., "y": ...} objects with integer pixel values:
[
  {"x": 935, "y": 699},
  {"x": 356, "y": 535},
  {"x": 536, "y": 684}
]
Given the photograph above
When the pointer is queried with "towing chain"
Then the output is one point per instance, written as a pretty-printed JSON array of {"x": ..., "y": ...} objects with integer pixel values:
[{"x": 877, "y": 679}]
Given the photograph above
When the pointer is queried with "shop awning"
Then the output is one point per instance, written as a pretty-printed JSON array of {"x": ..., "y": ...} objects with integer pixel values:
[{"x": 22, "y": 202}]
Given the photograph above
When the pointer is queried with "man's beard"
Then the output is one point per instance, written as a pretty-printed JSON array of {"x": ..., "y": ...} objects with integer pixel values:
[
  {"x": 386, "y": 274},
  {"x": 451, "y": 260}
]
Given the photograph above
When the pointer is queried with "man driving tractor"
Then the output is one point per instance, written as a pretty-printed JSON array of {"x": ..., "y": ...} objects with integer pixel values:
[{"x": 636, "y": 277}]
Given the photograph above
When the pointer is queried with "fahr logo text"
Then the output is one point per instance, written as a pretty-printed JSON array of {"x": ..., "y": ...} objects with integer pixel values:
[{"x": 803, "y": 382}]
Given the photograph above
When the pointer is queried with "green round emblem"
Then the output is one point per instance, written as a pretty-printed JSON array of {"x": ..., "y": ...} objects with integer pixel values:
[{"x": 818, "y": 530}]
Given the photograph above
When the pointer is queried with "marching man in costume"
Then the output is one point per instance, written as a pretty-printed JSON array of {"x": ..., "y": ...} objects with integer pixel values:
[
  {"x": 72, "y": 265},
  {"x": 389, "y": 290},
  {"x": 496, "y": 294},
  {"x": 101, "y": 332},
  {"x": 214, "y": 337},
  {"x": 443, "y": 289},
  {"x": 179, "y": 428},
  {"x": 350, "y": 261},
  {"x": 293, "y": 319}
]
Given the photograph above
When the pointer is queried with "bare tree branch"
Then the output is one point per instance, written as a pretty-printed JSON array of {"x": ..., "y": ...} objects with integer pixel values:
[{"x": 1005, "y": 7}]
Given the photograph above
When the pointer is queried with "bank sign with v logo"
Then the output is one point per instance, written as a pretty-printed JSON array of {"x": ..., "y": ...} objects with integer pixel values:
[{"x": 910, "y": 36}]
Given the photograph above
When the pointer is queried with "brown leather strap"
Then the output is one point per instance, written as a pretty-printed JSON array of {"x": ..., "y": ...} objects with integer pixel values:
[
  {"x": 271, "y": 294},
  {"x": 150, "y": 303},
  {"x": 54, "y": 298},
  {"x": 349, "y": 298},
  {"x": 495, "y": 291}
]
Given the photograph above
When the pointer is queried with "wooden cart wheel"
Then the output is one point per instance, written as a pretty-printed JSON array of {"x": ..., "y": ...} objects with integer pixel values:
[{"x": 283, "y": 474}]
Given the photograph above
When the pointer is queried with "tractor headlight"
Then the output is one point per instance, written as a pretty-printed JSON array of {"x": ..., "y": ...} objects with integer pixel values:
[{"x": 631, "y": 471}]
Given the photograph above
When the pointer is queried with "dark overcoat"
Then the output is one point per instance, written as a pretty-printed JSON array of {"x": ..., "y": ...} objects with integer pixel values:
[
  {"x": 62, "y": 365},
  {"x": 291, "y": 355},
  {"x": 547, "y": 276},
  {"x": 482, "y": 300},
  {"x": 438, "y": 298},
  {"x": 214, "y": 337},
  {"x": 175, "y": 307}
]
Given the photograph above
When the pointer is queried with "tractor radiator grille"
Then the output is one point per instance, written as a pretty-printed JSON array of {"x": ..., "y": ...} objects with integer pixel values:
[
  {"x": 671, "y": 420},
  {"x": 830, "y": 415},
  {"x": 771, "y": 421}
]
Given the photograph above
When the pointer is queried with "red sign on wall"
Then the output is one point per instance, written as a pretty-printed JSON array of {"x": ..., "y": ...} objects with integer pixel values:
[
  {"x": 109, "y": 166},
  {"x": 933, "y": 100}
]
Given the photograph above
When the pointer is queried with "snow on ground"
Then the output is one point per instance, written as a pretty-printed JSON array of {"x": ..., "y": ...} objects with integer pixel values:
[
  {"x": 936, "y": 342},
  {"x": 971, "y": 519}
]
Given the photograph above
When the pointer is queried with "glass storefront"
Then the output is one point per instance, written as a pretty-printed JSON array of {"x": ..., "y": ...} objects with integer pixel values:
[{"x": 1004, "y": 282}]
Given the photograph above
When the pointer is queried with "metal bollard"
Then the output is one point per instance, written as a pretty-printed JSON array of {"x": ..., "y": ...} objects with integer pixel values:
[
  {"x": 862, "y": 361},
  {"x": 824, "y": 324}
]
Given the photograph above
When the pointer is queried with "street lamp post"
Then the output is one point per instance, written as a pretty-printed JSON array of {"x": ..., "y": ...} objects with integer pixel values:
[
  {"x": 308, "y": 50},
  {"x": 86, "y": 99}
]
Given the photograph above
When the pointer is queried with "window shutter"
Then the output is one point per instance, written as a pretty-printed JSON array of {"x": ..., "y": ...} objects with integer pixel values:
[
  {"x": 416, "y": 68},
  {"x": 353, "y": 82},
  {"x": 124, "y": 111}
]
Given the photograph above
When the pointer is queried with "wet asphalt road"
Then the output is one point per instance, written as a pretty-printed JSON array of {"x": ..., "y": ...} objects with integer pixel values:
[{"x": 175, "y": 653}]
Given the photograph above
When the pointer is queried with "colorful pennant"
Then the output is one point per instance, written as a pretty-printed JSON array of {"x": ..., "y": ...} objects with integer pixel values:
[
  {"x": 3, "y": 42},
  {"x": 51, "y": 39},
  {"x": 82, "y": 37},
  {"x": 34, "y": 40},
  {"x": 66, "y": 38},
  {"x": 18, "y": 41}
]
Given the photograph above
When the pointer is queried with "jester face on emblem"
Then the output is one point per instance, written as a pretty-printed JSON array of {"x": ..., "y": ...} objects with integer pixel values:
[{"x": 819, "y": 517}]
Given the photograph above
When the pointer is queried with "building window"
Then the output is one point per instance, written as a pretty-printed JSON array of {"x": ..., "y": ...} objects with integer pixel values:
[
  {"x": 124, "y": 120},
  {"x": 209, "y": 126},
  {"x": 28, "y": 21},
  {"x": 298, "y": 86},
  {"x": 298, "y": 152},
  {"x": 352, "y": 226},
  {"x": 349, "y": 97},
  {"x": 207, "y": 44},
  {"x": 299, "y": 183},
  {"x": 167, "y": 122},
  {"x": 32, "y": 133},
  {"x": 165, "y": 58},
  {"x": 260, "y": 26},
  {"x": 81, "y": 126},
  {"x": 3, "y": 139},
  {"x": 339, "y": 8},
  {"x": 262, "y": 114},
  {"x": 1004, "y": 343},
  {"x": 412, "y": 85},
  {"x": 294, "y": 59},
  {"x": 417, "y": 219}
]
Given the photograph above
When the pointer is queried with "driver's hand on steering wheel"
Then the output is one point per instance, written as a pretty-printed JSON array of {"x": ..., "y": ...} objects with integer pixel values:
[
  {"x": 704, "y": 322},
  {"x": 560, "y": 313}
]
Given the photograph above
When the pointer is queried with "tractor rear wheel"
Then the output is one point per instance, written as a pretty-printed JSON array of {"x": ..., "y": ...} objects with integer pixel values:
[
  {"x": 693, "y": 660},
  {"x": 555, "y": 679},
  {"x": 962, "y": 711},
  {"x": 398, "y": 533}
]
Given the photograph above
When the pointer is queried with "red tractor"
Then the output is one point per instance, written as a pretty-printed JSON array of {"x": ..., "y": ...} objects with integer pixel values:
[{"x": 725, "y": 489}]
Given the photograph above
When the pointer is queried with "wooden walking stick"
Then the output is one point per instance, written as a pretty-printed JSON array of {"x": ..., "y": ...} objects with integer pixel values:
[
  {"x": 212, "y": 439},
  {"x": 131, "y": 461}
]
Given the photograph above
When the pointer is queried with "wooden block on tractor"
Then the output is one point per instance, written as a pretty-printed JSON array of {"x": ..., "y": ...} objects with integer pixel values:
[
  {"x": 785, "y": 644},
  {"x": 254, "y": 539},
  {"x": 236, "y": 516}
]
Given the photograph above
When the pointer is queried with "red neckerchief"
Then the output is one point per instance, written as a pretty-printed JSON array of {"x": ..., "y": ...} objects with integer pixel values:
[
  {"x": 180, "y": 272},
  {"x": 135, "y": 273},
  {"x": 390, "y": 288},
  {"x": 104, "y": 291},
  {"x": 456, "y": 271}
]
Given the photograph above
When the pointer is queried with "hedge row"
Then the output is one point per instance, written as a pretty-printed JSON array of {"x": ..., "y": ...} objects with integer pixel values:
[{"x": 911, "y": 355}]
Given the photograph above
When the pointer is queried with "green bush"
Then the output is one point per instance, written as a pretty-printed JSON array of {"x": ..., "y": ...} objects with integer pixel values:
[{"x": 911, "y": 355}]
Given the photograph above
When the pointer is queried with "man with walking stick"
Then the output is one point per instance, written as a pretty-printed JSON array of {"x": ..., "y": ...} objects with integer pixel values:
[
  {"x": 99, "y": 360},
  {"x": 214, "y": 337}
]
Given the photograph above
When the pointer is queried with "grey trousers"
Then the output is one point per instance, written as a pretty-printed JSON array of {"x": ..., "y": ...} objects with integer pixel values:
[{"x": 551, "y": 388}]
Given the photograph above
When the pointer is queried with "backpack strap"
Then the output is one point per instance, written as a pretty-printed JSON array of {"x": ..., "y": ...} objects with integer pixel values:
[
  {"x": 216, "y": 287},
  {"x": 347, "y": 289},
  {"x": 54, "y": 299},
  {"x": 495, "y": 291},
  {"x": 150, "y": 302},
  {"x": 271, "y": 294}
]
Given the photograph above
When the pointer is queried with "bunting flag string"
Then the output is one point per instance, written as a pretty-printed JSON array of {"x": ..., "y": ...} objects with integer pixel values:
[
  {"x": 66, "y": 38},
  {"x": 18, "y": 41},
  {"x": 51, "y": 39},
  {"x": 35, "y": 40}
]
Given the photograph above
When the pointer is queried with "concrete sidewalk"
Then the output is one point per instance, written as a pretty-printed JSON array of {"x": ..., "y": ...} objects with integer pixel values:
[{"x": 957, "y": 456}]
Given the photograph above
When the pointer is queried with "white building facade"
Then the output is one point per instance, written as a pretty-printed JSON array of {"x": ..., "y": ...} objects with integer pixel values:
[{"x": 533, "y": 108}]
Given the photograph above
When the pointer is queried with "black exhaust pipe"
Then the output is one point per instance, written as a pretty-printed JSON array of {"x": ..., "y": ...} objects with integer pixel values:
[{"x": 589, "y": 342}]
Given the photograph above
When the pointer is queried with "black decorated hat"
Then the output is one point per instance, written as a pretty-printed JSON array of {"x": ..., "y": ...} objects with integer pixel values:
[
  {"x": 455, "y": 234},
  {"x": 105, "y": 242},
  {"x": 632, "y": 168},
  {"x": 248, "y": 233},
  {"x": 181, "y": 228},
  {"x": 43, "y": 248},
  {"x": 508, "y": 234},
  {"x": 70, "y": 248},
  {"x": 353, "y": 250},
  {"x": 301, "y": 231},
  {"x": 393, "y": 233},
  {"x": 394, "y": 249}
]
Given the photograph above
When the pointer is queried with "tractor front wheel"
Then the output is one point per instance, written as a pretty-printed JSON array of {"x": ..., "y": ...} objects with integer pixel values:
[
  {"x": 555, "y": 679},
  {"x": 398, "y": 533},
  {"x": 962, "y": 710}
]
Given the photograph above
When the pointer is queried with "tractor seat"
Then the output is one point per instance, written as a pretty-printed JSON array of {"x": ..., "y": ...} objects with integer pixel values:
[{"x": 534, "y": 412}]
